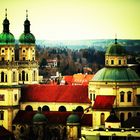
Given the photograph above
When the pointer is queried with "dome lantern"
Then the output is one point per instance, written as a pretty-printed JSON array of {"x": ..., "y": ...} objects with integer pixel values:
[{"x": 115, "y": 55}]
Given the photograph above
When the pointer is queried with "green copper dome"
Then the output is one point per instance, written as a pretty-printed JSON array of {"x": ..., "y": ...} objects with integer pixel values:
[
  {"x": 39, "y": 117},
  {"x": 7, "y": 38},
  {"x": 27, "y": 38},
  {"x": 116, "y": 74},
  {"x": 116, "y": 49},
  {"x": 73, "y": 118}
]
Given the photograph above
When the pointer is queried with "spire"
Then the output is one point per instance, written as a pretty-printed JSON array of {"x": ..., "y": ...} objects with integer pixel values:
[
  {"x": 6, "y": 23},
  {"x": 26, "y": 14},
  {"x": 26, "y": 24},
  {"x": 6, "y": 13},
  {"x": 115, "y": 38}
]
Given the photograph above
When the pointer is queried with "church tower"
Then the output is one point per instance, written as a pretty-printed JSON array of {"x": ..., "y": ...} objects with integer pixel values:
[
  {"x": 15, "y": 72},
  {"x": 9, "y": 89},
  {"x": 28, "y": 66}
]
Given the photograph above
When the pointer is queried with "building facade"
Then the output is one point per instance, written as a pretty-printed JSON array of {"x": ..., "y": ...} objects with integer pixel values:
[
  {"x": 18, "y": 66},
  {"x": 116, "y": 79}
]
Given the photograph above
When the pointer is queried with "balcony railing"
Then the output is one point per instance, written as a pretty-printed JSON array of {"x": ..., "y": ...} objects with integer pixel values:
[{"x": 18, "y": 63}]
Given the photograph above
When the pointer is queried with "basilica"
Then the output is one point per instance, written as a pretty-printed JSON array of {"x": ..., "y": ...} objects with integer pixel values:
[{"x": 31, "y": 110}]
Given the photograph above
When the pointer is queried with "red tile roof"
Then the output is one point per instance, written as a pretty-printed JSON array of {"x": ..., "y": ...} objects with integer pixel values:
[
  {"x": 68, "y": 79},
  {"x": 53, "y": 117},
  {"x": 55, "y": 93},
  {"x": 104, "y": 102},
  {"x": 78, "y": 79}
]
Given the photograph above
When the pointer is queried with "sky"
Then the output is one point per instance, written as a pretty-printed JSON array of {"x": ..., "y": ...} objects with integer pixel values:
[{"x": 74, "y": 19}]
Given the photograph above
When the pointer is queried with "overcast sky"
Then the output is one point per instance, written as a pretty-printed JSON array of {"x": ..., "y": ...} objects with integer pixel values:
[{"x": 74, "y": 19}]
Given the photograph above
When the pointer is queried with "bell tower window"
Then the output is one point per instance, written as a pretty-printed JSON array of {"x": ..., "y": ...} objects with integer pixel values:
[
  {"x": 14, "y": 76},
  {"x": 2, "y": 76},
  {"x": 23, "y": 75}
]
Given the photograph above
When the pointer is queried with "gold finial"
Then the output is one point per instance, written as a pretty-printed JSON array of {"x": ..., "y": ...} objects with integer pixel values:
[
  {"x": 26, "y": 14},
  {"x": 6, "y": 13},
  {"x": 115, "y": 38}
]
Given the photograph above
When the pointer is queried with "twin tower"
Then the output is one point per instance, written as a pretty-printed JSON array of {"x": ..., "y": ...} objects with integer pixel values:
[{"x": 18, "y": 64}]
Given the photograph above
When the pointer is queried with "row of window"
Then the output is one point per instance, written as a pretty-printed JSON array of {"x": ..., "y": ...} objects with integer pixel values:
[
  {"x": 122, "y": 96},
  {"x": 3, "y": 50},
  {"x": 119, "y": 62},
  {"x": 61, "y": 108},
  {"x": 2, "y": 97},
  {"x": 23, "y": 76},
  {"x": 24, "y": 58},
  {"x": 26, "y": 49}
]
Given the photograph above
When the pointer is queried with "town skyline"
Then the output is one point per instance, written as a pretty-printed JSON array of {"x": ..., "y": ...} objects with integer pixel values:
[{"x": 74, "y": 19}]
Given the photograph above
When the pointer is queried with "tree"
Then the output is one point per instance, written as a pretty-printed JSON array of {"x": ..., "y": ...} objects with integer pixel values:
[{"x": 43, "y": 62}]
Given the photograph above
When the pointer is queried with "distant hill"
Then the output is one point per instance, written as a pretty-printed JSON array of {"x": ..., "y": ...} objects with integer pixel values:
[{"x": 98, "y": 44}]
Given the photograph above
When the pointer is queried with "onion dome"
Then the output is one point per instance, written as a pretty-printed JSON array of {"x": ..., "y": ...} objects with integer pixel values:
[
  {"x": 73, "y": 118},
  {"x": 27, "y": 37},
  {"x": 39, "y": 118},
  {"x": 116, "y": 74},
  {"x": 6, "y": 37},
  {"x": 116, "y": 49}
]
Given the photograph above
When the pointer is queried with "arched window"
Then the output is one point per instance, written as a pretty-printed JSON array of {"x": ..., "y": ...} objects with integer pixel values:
[
  {"x": 79, "y": 109},
  {"x": 23, "y": 75},
  {"x": 14, "y": 76},
  {"x": 112, "y": 62},
  {"x": 28, "y": 108},
  {"x": 102, "y": 118},
  {"x": 45, "y": 108},
  {"x": 121, "y": 96},
  {"x": 129, "y": 115},
  {"x": 2, "y": 76},
  {"x": 34, "y": 75},
  {"x": 26, "y": 76},
  {"x": 5, "y": 77},
  {"x": 122, "y": 117},
  {"x": 119, "y": 62},
  {"x": 129, "y": 93},
  {"x": 19, "y": 77},
  {"x": 62, "y": 109}
]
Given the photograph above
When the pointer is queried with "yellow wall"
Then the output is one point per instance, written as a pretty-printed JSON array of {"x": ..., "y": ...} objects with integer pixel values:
[
  {"x": 53, "y": 105},
  {"x": 8, "y": 53},
  {"x": 27, "y": 51},
  {"x": 97, "y": 117}
]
